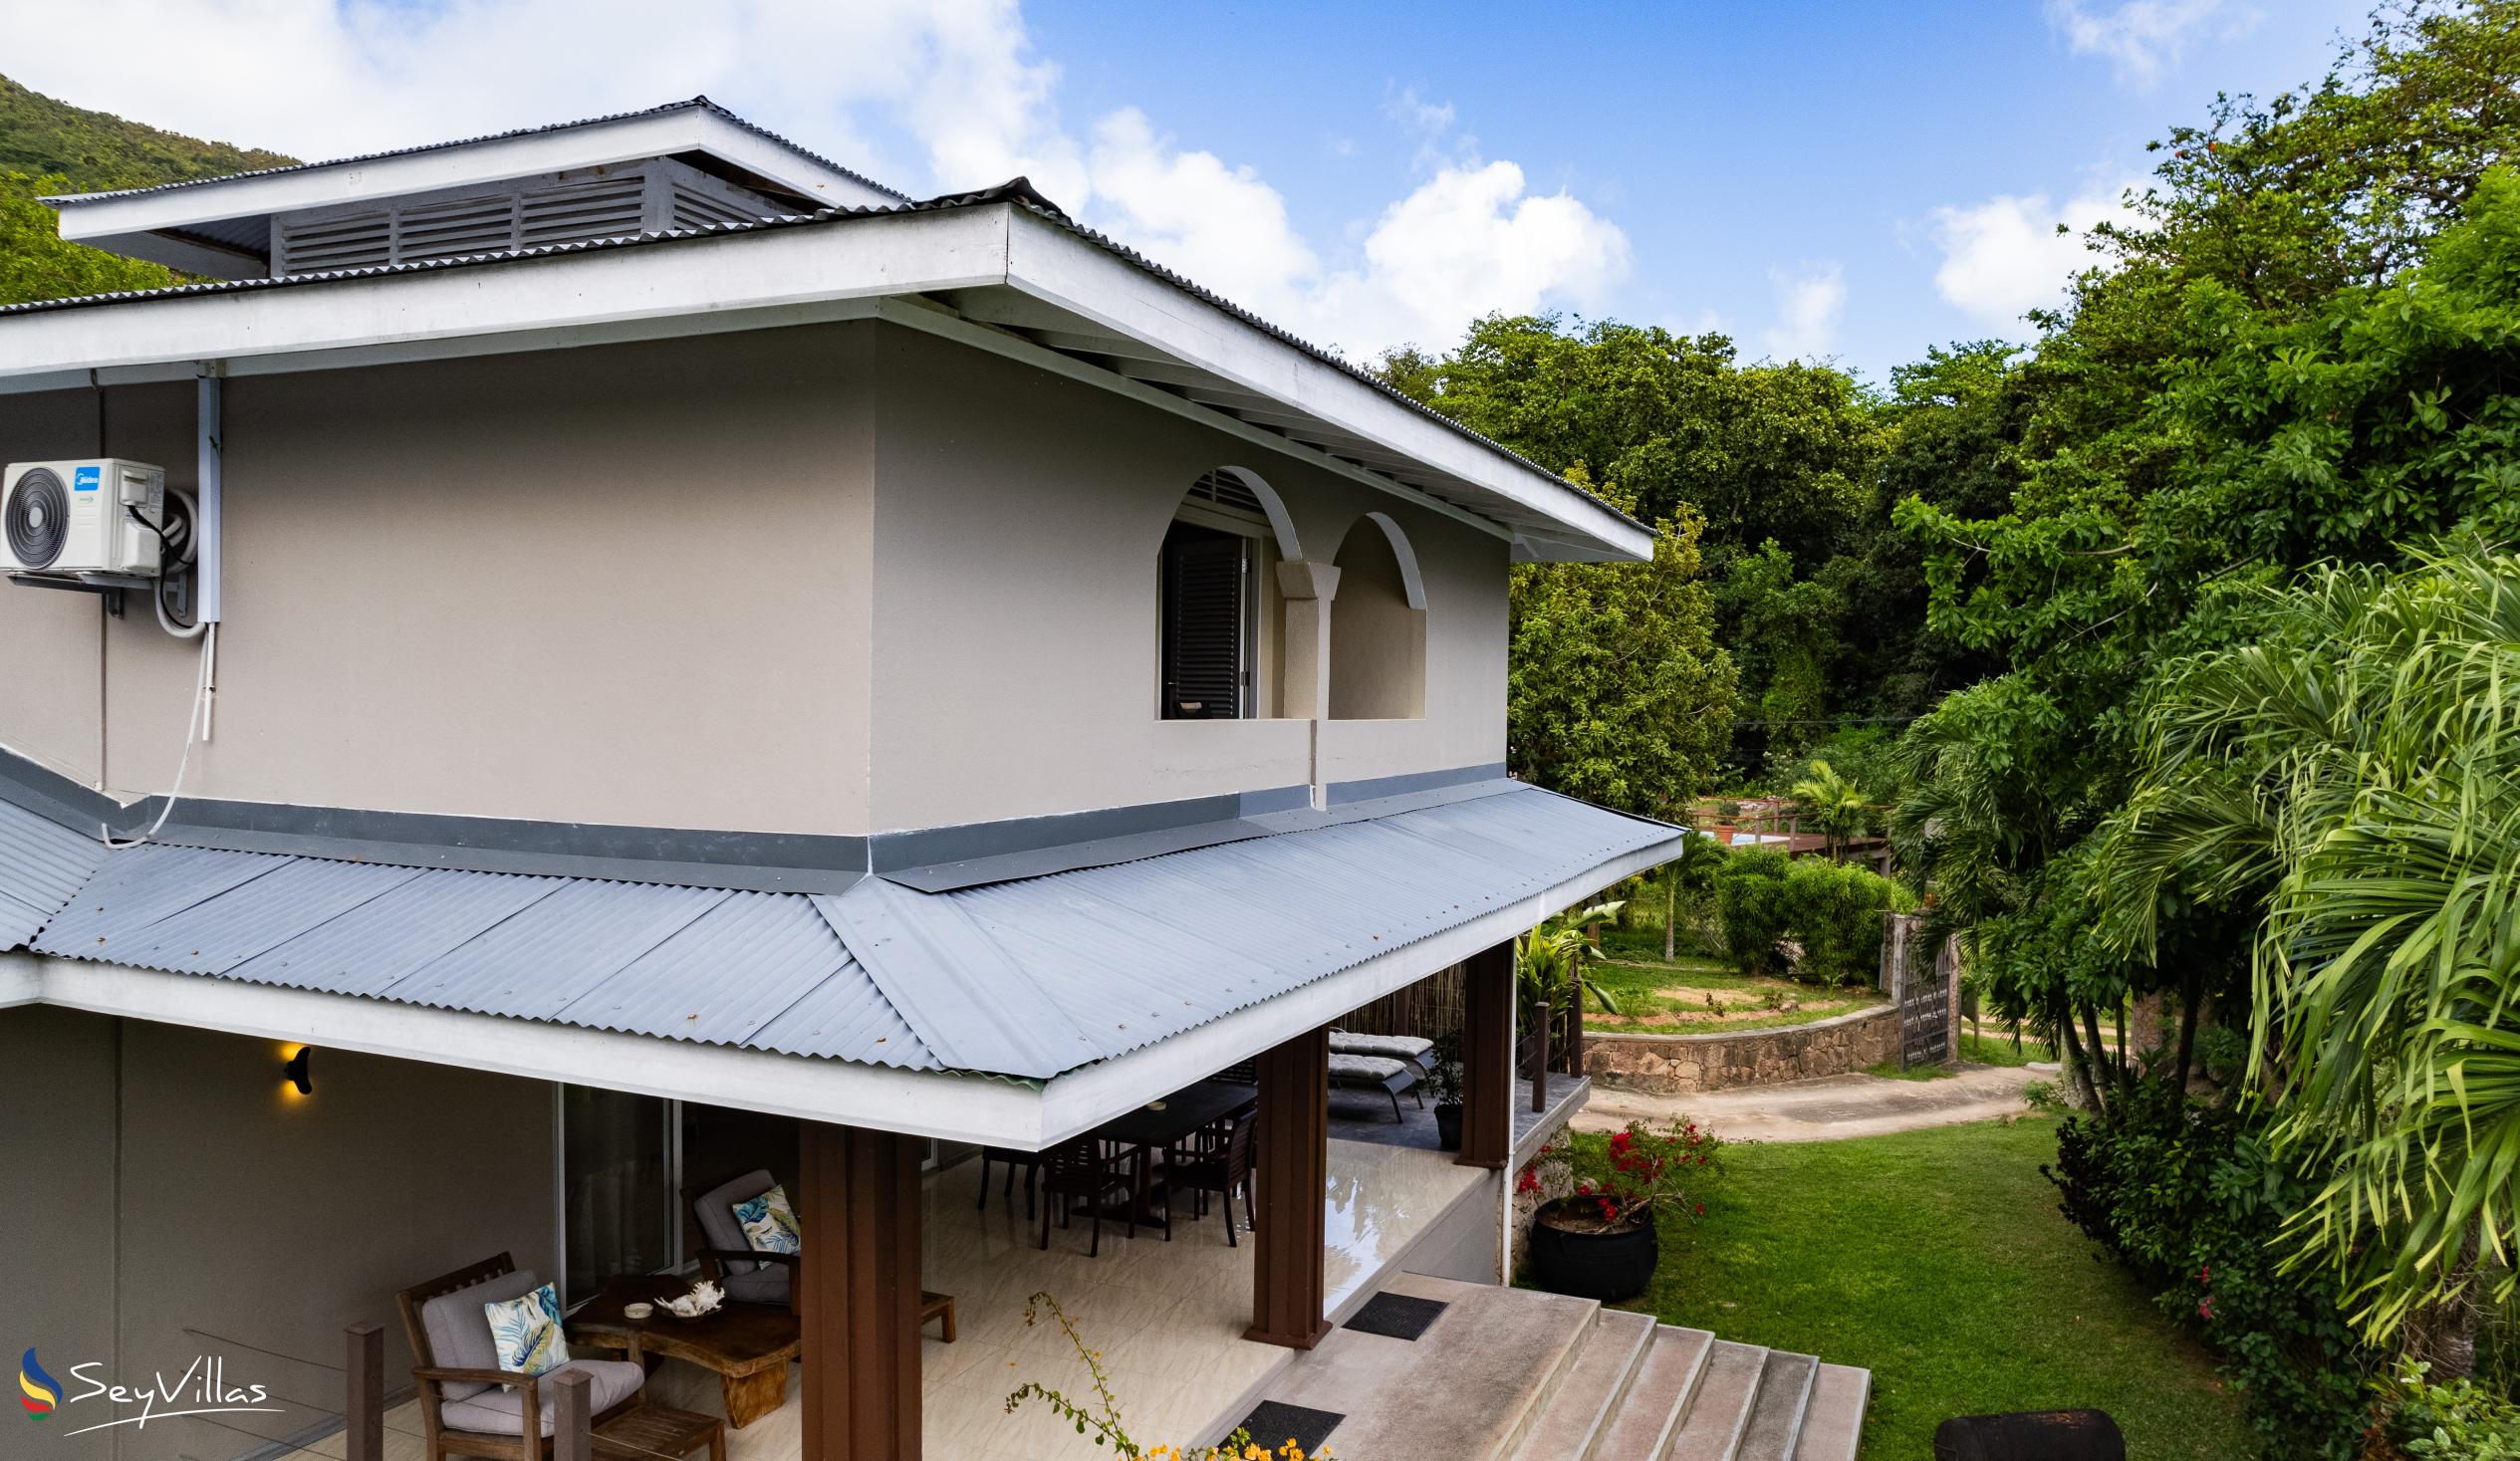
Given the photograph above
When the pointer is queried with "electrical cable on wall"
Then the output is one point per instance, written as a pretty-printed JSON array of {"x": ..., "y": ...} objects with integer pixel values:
[{"x": 193, "y": 729}]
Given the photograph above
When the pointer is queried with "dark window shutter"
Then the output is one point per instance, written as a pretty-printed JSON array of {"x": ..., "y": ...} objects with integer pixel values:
[{"x": 1203, "y": 624}]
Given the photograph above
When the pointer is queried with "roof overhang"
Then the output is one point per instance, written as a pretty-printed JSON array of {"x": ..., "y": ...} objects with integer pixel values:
[
  {"x": 196, "y": 226},
  {"x": 988, "y": 1109},
  {"x": 995, "y": 275}
]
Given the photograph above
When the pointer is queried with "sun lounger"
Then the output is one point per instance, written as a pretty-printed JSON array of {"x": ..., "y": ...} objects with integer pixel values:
[
  {"x": 1389, "y": 1047},
  {"x": 1380, "y": 1072}
]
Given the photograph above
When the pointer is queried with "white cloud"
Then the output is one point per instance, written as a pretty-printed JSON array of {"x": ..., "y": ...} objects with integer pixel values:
[
  {"x": 2140, "y": 38},
  {"x": 957, "y": 81},
  {"x": 1808, "y": 304},
  {"x": 2004, "y": 256}
]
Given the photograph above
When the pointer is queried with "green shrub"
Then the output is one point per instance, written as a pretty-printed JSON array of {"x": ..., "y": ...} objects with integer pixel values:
[
  {"x": 2188, "y": 1198},
  {"x": 1834, "y": 910},
  {"x": 2459, "y": 1422},
  {"x": 1750, "y": 897}
]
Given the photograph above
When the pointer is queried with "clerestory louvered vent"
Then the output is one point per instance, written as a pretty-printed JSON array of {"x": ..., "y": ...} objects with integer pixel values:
[
  {"x": 528, "y": 213},
  {"x": 1221, "y": 493}
]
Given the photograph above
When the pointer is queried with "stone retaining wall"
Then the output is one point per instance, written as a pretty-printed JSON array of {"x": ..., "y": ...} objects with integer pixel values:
[{"x": 1677, "y": 1065}]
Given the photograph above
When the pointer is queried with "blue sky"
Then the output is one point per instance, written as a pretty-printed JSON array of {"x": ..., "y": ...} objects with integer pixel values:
[{"x": 1827, "y": 182}]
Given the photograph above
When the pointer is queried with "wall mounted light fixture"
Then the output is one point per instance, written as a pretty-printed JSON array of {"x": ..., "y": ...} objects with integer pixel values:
[{"x": 298, "y": 1072}]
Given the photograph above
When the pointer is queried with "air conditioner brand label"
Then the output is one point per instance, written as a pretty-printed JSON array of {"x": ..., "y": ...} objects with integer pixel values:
[{"x": 86, "y": 479}]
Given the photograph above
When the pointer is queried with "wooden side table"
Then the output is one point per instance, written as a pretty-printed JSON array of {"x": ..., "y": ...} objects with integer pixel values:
[
  {"x": 656, "y": 1430},
  {"x": 746, "y": 1346}
]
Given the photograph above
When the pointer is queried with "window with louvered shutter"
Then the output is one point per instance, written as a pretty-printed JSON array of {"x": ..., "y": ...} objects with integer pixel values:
[{"x": 1207, "y": 623}]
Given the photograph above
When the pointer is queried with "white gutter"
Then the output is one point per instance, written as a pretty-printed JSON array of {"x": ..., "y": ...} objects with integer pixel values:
[{"x": 985, "y": 1109}]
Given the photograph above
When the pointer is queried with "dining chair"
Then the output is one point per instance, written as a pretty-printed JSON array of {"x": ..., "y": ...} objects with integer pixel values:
[
  {"x": 1083, "y": 1169},
  {"x": 1029, "y": 1161},
  {"x": 1224, "y": 1169}
]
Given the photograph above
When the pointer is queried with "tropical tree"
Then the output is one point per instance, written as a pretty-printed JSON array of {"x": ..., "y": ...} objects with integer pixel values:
[
  {"x": 1550, "y": 961},
  {"x": 2349, "y": 781},
  {"x": 1837, "y": 803}
]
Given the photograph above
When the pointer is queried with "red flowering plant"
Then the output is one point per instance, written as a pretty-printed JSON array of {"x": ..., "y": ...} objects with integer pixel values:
[{"x": 1619, "y": 1182}]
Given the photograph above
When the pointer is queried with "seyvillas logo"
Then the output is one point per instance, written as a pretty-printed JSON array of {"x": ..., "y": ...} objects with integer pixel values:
[
  {"x": 38, "y": 1392},
  {"x": 201, "y": 1389}
]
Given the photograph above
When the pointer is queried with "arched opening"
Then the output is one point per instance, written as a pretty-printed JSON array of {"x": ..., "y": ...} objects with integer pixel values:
[
  {"x": 1213, "y": 591},
  {"x": 1377, "y": 625}
]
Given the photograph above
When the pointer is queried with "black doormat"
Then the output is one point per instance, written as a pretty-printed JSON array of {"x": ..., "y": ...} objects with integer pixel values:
[
  {"x": 1272, "y": 1424},
  {"x": 1397, "y": 1315}
]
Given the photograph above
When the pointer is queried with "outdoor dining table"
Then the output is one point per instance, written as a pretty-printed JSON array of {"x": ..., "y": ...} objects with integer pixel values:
[{"x": 1161, "y": 1123}]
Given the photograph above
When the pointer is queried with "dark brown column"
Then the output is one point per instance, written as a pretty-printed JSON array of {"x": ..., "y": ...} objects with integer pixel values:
[
  {"x": 1487, "y": 1058},
  {"x": 1291, "y": 1170},
  {"x": 858, "y": 1212}
]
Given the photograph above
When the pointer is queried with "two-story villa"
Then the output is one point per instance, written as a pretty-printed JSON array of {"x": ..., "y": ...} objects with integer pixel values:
[{"x": 660, "y": 660}]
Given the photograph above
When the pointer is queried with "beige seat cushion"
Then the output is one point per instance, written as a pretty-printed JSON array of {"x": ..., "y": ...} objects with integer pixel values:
[
  {"x": 459, "y": 1333},
  {"x": 502, "y": 1412}
]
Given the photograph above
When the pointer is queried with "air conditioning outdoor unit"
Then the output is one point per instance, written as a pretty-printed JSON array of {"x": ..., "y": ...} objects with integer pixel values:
[{"x": 71, "y": 518}]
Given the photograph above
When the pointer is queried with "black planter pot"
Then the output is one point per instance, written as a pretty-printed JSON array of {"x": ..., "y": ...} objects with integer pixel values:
[
  {"x": 1448, "y": 1125},
  {"x": 1605, "y": 1266}
]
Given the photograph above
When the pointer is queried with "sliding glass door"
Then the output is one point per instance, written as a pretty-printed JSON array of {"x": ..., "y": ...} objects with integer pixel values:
[{"x": 617, "y": 1167}]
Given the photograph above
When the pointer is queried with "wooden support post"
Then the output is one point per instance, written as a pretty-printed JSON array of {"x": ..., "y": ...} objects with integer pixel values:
[
  {"x": 1487, "y": 1058},
  {"x": 1540, "y": 1055},
  {"x": 858, "y": 1212},
  {"x": 571, "y": 1416},
  {"x": 364, "y": 1411},
  {"x": 1575, "y": 1035},
  {"x": 1291, "y": 1173}
]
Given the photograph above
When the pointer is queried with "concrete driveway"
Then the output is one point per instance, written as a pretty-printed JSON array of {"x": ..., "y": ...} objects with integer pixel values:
[{"x": 1831, "y": 1109}]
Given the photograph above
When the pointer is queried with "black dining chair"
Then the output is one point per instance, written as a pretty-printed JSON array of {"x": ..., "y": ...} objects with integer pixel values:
[
  {"x": 1082, "y": 1170},
  {"x": 1224, "y": 1167},
  {"x": 1029, "y": 1161}
]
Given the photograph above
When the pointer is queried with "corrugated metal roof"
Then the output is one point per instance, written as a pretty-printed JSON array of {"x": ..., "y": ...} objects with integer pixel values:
[
  {"x": 42, "y": 863},
  {"x": 1028, "y": 978},
  {"x": 702, "y": 102},
  {"x": 1018, "y": 191}
]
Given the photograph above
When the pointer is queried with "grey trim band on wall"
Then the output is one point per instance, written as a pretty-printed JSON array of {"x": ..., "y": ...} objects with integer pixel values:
[
  {"x": 55, "y": 798},
  {"x": 1412, "y": 781}
]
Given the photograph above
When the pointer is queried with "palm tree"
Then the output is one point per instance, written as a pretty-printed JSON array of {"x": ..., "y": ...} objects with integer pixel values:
[
  {"x": 2351, "y": 780},
  {"x": 1837, "y": 803}
]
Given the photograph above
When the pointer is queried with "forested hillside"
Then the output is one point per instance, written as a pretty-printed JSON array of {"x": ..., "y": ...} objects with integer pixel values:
[{"x": 49, "y": 146}]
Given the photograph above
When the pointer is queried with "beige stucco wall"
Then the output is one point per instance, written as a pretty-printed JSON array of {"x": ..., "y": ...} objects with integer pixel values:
[
  {"x": 1017, "y": 518},
  {"x": 168, "y": 1197},
  {"x": 617, "y": 584},
  {"x": 1377, "y": 642},
  {"x": 835, "y": 578}
]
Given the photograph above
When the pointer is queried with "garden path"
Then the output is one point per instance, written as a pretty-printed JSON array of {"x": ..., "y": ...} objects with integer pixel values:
[{"x": 1831, "y": 1109}]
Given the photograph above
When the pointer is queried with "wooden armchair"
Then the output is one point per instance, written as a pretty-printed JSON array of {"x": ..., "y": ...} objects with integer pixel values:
[
  {"x": 1082, "y": 1170},
  {"x": 464, "y": 1409},
  {"x": 750, "y": 1276}
]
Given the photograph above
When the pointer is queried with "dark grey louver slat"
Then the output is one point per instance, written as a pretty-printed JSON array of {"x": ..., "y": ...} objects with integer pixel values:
[{"x": 1202, "y": 626}]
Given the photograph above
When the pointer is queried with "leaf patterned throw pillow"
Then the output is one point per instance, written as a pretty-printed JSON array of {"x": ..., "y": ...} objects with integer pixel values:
[
  {"x": 769, "y": 1223},
  {"x": 527, "y": 1332}
]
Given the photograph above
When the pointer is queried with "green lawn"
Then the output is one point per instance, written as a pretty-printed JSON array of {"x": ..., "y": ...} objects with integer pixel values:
[
  {"x": 1696, "y": 995},
  {"x": 1938, "y": 1260}
]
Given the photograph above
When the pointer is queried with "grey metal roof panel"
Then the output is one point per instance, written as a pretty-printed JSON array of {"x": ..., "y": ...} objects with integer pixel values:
[
  {"x": 42, "y": 863},
  {"x": 1029, "y": 978},
  {"x": 533, "y": 964},
  {"x": 136, "y": 887},
  {"x": 375, "y": 946},
  {"x": 259, "y": 915},
  {"x": 720, "y": 977},
  {"x": 702, "y": 103}
]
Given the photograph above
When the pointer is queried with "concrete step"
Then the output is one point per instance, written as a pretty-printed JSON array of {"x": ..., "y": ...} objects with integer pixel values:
[
  {"x": 1776, "y": 1420},
  {"x": 1719, "y": 1412},
  {"x": 1833, "y": 1424},
  {"x": 1467, "y": 1389},
  {"x": 1640, "y": 1426},
  {"x": 1572, "y": 1421}
]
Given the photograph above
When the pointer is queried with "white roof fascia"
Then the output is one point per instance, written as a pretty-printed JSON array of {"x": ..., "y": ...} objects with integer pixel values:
[
  {"x": 1054, "y": 265},
  {"x": 949, "y": 1108},
  {"x": 107, "y": 220},
  {"x": 521, "y": 304},
  {"x": 769, "y": 276},
  {"x": 1082, "y": 1100}
]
